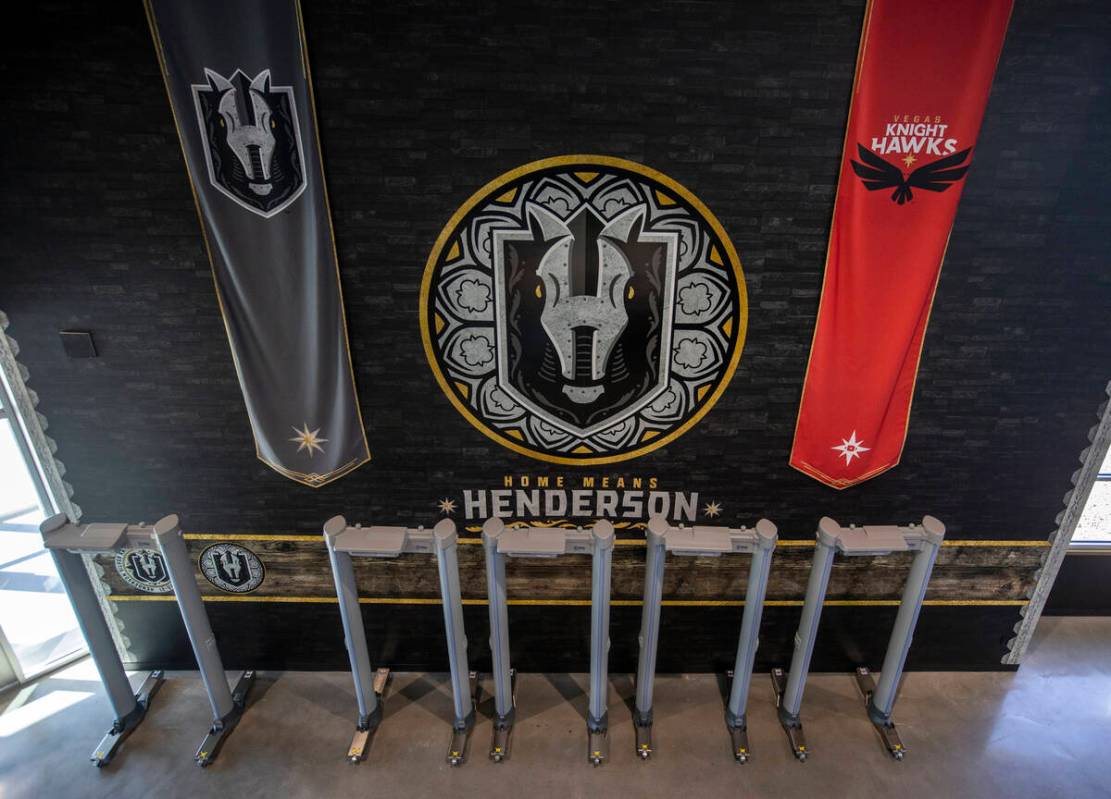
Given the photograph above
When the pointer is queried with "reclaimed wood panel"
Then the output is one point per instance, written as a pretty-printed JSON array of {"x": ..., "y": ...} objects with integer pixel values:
[{"x": 300, "y": 568}]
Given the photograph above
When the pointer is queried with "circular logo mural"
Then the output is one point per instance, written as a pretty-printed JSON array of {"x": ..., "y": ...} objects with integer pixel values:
[
  {"x": 144, "y": 569},
  {"x": 232, "y": 568},
  {"x": 583, "y": 309}
]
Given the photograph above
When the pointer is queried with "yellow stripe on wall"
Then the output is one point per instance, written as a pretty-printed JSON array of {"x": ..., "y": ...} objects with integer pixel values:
[
  {"x": 627, "y": 603},
  {"x": 631, "y": 542}
]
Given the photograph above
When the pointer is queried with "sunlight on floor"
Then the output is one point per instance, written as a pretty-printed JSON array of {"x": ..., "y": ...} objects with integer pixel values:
[{"x": 25, "y": 715}]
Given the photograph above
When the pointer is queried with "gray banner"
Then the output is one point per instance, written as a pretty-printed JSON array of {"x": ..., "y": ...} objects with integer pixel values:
[{"x": 237, "y": 77}]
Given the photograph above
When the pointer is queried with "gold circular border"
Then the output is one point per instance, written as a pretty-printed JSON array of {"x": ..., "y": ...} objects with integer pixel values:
[{"x": 582, "y": 160}]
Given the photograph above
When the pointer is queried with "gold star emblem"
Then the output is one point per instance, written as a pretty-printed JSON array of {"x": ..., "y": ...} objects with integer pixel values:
[
  {"x": 910, "y": 159},
  {"x": 712, "y": 509},
  {"x": 447, "y": 505},
  {"x": 308, "y": 439}
]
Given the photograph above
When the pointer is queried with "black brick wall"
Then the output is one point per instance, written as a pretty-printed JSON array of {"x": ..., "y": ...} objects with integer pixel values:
[{"x": 421, "y": 103}]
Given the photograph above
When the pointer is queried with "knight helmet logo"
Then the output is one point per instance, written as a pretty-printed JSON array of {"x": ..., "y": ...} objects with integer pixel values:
[
  {"x": 232, "y": 568},
  {"x": 587, "y": 313},
  {"x": 144, "y": 569},
  {"x": 252, "y": 140}
]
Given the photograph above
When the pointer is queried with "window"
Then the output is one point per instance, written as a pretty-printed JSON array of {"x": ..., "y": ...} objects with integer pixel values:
[
  {"x": 38, "y": 630},
  {"x": 1094, "y": 528}
]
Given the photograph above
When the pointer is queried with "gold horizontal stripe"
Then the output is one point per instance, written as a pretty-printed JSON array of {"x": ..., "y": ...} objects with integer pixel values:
[
  {"x": 1001, "y": 543},
  {"x": 630, "y": 542},
  {"x": 313, "y": 539},
  {"x": 628, "y": 603}
]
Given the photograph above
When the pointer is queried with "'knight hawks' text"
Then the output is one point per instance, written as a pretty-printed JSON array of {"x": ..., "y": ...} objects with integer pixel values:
[{"x": 917, "y": 135}]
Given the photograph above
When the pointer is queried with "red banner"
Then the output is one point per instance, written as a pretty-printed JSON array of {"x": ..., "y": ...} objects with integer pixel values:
[{"x": 922, "y": 79}]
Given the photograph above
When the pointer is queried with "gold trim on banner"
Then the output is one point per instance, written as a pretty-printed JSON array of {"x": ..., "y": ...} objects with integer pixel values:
[
  {"x": 310, "y": 480},
  {"x": 572, "y": 160},
  {"x": 809, "y": 470},
  {"x": 621, "y": 603},
  {"x": 331, "y": 234}
]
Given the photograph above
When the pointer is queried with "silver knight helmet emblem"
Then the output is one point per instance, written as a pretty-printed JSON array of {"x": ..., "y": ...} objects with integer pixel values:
[
  {"x": 252, "y": 140},
  {"x": 232, "y": 568},
  {"x": 144, "y": 569},
  {"x": 586, "y": 331}
]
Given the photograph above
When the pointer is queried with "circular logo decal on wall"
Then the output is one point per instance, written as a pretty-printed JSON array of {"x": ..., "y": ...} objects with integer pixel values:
[
  {"x": 144, "y": 569},
  {"x": 232, "y": 568},
  {"x": 583, "y": 310}
]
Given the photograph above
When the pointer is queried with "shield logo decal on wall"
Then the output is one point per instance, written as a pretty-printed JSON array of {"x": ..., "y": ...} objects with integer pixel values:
[{"x": 583, "y": 309}]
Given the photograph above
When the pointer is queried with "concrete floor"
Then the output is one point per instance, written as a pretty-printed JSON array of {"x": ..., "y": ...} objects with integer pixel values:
[{"x": 1041, "y": 732}]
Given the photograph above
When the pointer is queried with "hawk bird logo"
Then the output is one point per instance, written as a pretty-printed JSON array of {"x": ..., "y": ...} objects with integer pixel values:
[{"x": 877, "y": 173}]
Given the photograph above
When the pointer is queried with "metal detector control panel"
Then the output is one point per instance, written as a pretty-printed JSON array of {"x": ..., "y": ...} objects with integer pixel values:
[
  {"x": 713, "y": 542},
  {"x": 384, "y": 542},
  {"x": 538, "y": 542},
  {"x": 93, "y": 537},
  {"x": 880, "y": 539}
]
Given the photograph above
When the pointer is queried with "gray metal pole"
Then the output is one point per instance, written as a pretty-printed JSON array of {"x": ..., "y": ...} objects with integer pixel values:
[
  {"x": 766, "y": 536},
  {"x": 167, "y": 534},
  {"x": 354, "y": 633},
  {"x": 883, "y": 698},
  {"x": 499, "y": 617},
  {"x": 447, "y": 562},
  {"x": 654, "y": 565},
  {"x": 75, "y": 579},
  {"x": 824, "y": 549},
  {"x": 600, "y": 624}
]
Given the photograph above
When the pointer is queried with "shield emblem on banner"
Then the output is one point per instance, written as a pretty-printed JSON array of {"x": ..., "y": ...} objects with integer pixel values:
[
  {"x": 583, "y": 314},
  {"x": 252, "y": 140}
]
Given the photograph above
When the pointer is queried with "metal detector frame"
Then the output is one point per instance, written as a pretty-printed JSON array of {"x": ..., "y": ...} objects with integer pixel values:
[
  {"x": 501, "y": 542},
  {"x": 925, "y": 540},
  {"x": 344, "y": 543},
  {"x": 703, "y": 541},
  {"x": 67, "y": 543}
]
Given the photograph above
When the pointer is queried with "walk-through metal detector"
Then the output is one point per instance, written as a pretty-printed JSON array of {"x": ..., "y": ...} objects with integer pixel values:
[
  {"x": 346, "y": 542},
  {"x": 663, "y": 539},
  {"x": 501, "y": 542},
  {"x": 67, "y": 542},
  {"x": 924, "y": 540}
]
